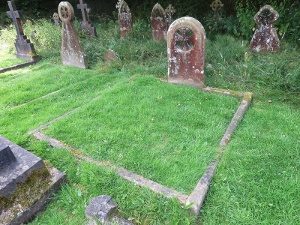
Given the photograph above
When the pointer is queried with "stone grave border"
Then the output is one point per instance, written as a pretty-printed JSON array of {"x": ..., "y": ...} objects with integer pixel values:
[
  {"x": 19, "y": 66},
  {"x": 195, "y": 200}
]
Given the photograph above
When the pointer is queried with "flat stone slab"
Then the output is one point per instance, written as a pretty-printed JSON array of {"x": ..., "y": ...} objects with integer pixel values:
[
  {"x": 16, "y": 170},
  {"x": 31, "y": 202}
]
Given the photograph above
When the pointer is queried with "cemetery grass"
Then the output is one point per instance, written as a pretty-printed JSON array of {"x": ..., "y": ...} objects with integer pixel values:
[
  {"x": 257, "y": 181},
  {"x": 8, "y": 60}
]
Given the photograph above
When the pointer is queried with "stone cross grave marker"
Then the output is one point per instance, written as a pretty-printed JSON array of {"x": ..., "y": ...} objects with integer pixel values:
[
  {"x": 56, "y": 19},
  {"x": 125, "y": 18},
  {"x": 26, "y": 183},
  {"x": 265, "y": 38},
  {"x": 158, "y": 23},
  {"x": 86, "y": 24},
  {"x": 71, "y": 51},
  {"x": 170, "y": 11},
  {"x": 24, "y": 47},
  {"x": 186, "y": 44}
]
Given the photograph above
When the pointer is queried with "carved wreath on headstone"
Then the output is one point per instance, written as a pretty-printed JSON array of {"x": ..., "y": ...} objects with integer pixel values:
[{"x": 66, "y": 12}]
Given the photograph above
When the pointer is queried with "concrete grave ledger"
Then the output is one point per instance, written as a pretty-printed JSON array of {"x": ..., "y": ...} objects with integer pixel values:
[{"x": 26, "y": 183}]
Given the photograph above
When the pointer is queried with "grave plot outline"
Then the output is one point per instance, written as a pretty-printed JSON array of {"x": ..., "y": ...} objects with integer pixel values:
[{"x": 194, "y": 201}]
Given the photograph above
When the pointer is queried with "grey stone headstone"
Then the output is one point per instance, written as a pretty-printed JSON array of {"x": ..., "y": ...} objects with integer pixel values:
[{"x": 6, "y": 156}]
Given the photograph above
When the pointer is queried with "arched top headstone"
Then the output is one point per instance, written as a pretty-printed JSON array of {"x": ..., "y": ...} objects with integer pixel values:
[
  {"x": 158, "y": 22},
  {"x": 158, "y": 11},
  {"x": 265, "y": 38},
  {"x": 125, "y": 18},
  {"x": 66, "y": 12},
  {"x": 186, "y": 51},
  {"x": 122, "y": 7}
]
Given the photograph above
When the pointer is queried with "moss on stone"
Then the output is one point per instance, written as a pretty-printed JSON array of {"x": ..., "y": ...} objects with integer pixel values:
[{"x": 26, "y": 194}]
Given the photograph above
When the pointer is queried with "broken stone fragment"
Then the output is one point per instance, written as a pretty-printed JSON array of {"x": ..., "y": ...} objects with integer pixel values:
[{"x": 103, "y": 210}]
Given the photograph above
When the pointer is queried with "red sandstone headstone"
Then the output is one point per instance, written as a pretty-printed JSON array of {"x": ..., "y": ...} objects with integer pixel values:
[
  {"x": 71, "y": 51},
  {"x": 186, "y": 45},
  {"x": 158, "y": 23},
  {"x": 125, "y": 18},
  {"x": 265, "y": 38}
]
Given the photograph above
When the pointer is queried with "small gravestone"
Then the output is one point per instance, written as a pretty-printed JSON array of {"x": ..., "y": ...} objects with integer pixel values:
[
  {"x": 158, "y": 23},
  {"x": 86, "y": 24},
  {"x": 216, "y": 6},
  {"x": 186, "y": 44},
  {"x": 170, "y": 11},
  {"x": 56, "y": 19},
  {"x": 71, "y": 51},
  {"x": 24, "y": 47},
  {"x": 125, "y": 18},
  {"x": 103, "y": 210},
  {"x": 110, "y": 56},
  {"x": 26, "y": 183},
  {"x": 265, "y": 38}
]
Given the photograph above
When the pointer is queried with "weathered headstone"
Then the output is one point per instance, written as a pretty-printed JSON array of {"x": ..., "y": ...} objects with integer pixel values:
[
  {"x": 158, "y": 22},
  {"x": 24, "y": 47},
  {"x": 26, "y": 183},
  {"x": 170, "y": 11},
  {"x": 265, "y": 38},
  {"x": 103, "y": 210},
  {"x": 125, "y": 18},
  {"x": 216, "y": 6},
  {"x": 71, "y": 51},
  {"x": 110, "y": 56},
  {"x": 186, "y": 45},
  {"x": 56, "y": 19},
  {"x": 86, "y": 24}
]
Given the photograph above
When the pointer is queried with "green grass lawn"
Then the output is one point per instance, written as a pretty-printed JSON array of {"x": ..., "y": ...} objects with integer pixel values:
[
  {"x": 8, "y": 60},
  {"x": 164, "y": 132}
]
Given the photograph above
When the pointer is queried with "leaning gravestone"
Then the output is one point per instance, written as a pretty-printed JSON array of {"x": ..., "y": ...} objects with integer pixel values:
[
  {"x": 265, "y": 38},
  {"x": 158, "y": 22},
  {"x": 86, "y": 24},
  {"x": 71, "y": 51},
  {"x": 26, "y": 183},
  {"x": 24, "y": 47},
  {"x": 170, "y": 11},
  {"x": 186, "y": 44},
  {"x": 125, "y": 18},
  {"x": 56, "y": 19}
]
